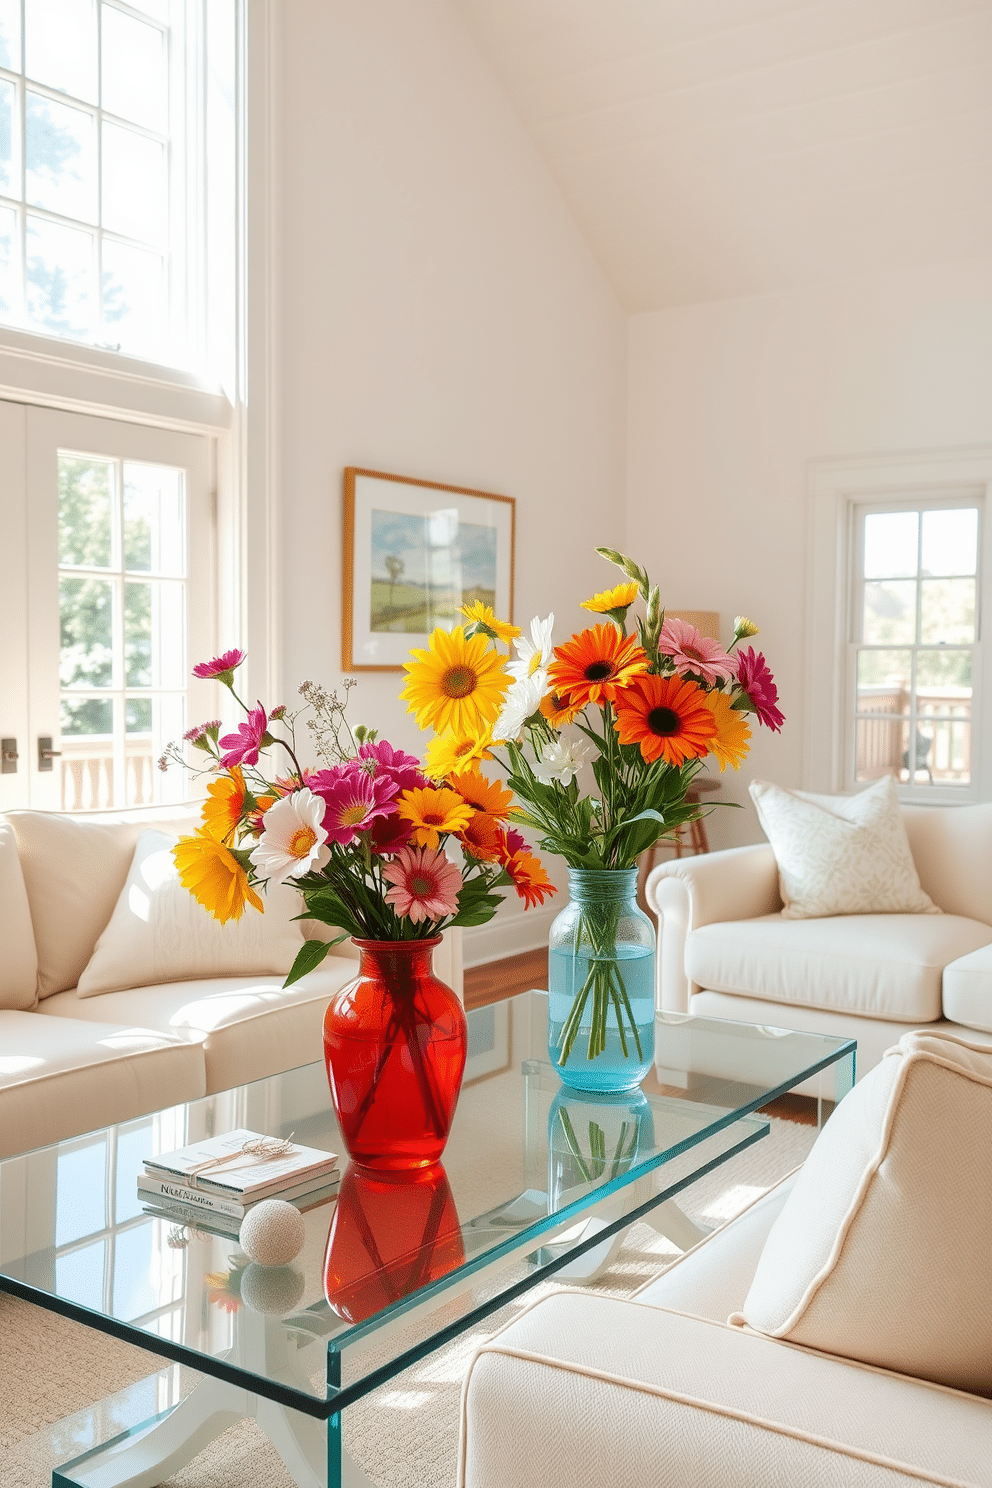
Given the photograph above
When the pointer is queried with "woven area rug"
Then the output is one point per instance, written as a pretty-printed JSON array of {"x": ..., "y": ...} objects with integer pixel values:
[{"x": 402, "y": 1436}]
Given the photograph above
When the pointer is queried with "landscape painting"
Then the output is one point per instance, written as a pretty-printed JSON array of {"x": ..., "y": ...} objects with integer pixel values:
[{"x": 415, "y": 552}]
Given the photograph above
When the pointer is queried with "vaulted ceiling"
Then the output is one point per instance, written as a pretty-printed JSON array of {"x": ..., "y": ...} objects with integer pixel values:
[{"x": 711, "y": 148}]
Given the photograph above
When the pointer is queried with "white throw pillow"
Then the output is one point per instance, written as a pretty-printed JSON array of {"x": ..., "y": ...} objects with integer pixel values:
[
  {"x": 840, "y": 855},
  {"x": 882, "y": 1251},
  {"x": 159, "y": 933}
]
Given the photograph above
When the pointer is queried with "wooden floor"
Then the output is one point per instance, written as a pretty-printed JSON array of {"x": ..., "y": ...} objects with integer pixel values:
[{"x": 499, "y": 979}]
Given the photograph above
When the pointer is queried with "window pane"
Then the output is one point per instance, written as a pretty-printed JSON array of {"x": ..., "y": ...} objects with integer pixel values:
[
  {"x": 79, "y": 1275},
  {"x": 154, "y": 536},
  {"x": 138, "y": 716},
  {"x": 134, "y": 299},
  {"x": 10, "y": 35},
  {"x": 134, "y": 185},
  {"x": 133, "y": 60},
  {"x": 950, "y": 541},
  {"x": 60, "y": 45},
  {"x": 885, "y": 670},
  {"x": 947, "y": 611},
  {"x": 82, "y": 719},
  {"x": 880, "y": 745},
  {"x": 944, "y": 670},
  {"x": 60, "y": 158},
  {"x": 890, "y": 613},
  {"x": 60, "y": 275},
  {"x": 154, "y": 638},
  {"x": 891, "y": 544},
  {"x": 9, "y": 288},
  {"x": 9, "y": 173},
  {"x": 86, "y": 657},
  {"x": 80, "y": 1206},
  {"x": 85, "y": 491}
]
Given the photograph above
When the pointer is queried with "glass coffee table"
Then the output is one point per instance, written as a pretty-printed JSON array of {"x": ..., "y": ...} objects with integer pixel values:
[{"x": 539, "y": 1182}]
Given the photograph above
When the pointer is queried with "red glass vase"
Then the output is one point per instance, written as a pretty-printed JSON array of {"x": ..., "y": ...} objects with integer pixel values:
[
  {"x": 392, "y": 1233},
  {"x": 394, "y": 1046}
]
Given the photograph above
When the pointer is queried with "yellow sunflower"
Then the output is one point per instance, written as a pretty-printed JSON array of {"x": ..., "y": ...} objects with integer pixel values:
[
  {"x": 455, "y": 684},
  {"x": 225, "y": 803},
  {"x": 729, "y": 744},
  {"x": 619, "y": 598},
  {"x": 432, "y": 812},
  {"x": 449, "y": 752},
  {"x": 483, "y": 614},
  {"x": 214, "y": 876}
]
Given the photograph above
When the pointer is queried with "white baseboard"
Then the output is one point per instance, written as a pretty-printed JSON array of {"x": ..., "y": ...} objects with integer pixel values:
[{"x": 507, "y": 936}]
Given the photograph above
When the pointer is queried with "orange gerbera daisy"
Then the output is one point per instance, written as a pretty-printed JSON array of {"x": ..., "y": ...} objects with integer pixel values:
[
  {"x": 667, "y": 717},
  {"x": 482, "y": 794},
  {"x": 594, "y": 664},
  {"x": 482, "y": 837},
  {"x": 557, "y": 709},
  {"x": 529, "y": 878},
  {"x": 729, "y": 743},
  {"x": 224, "y": 804},
  {"x": 432, "y": 812}
]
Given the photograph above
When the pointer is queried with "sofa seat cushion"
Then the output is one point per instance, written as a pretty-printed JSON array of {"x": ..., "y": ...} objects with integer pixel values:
[
  {"x": 968, "y": 990},
  {"x": 248, "y": 1027},
  {"x": 63, "y": 1076},
  {"x": 885, "y": 966}
]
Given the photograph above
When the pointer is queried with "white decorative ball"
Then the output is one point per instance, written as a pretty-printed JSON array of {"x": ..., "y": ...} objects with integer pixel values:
[
  {"x": 271, "y": 1289},
  {"x": 272, "y": 1233}
]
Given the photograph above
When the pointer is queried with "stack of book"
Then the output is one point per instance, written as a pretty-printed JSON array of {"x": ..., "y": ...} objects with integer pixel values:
[{"x": 213, "y": 1184}]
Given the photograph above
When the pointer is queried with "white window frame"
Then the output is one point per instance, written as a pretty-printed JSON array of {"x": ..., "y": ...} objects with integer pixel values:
[{"x": 836, "y": 489}]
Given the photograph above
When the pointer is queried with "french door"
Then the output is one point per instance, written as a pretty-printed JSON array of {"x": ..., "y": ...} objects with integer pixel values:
[{"x": 108, "y": 599}]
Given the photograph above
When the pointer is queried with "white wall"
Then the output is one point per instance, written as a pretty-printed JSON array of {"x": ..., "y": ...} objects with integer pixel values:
[
  {"x": 441, "y": 317},
  {"x": 730, "y": 401}
]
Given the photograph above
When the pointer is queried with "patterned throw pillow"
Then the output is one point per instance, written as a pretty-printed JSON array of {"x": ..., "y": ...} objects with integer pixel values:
[{"x": 841, "y": 855}]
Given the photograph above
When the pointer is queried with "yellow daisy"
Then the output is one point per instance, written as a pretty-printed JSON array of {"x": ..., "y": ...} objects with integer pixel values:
[
  {"x": 449, "y": 752},
  {"x": 729, "y": 744},
  {"x": 482, "y": 614},
  {"x": 433, "y": 812},
  {"x": 618, "y": 598},
  {"x": 214, "y": 876},
  {"x": 455, "y": 684}
]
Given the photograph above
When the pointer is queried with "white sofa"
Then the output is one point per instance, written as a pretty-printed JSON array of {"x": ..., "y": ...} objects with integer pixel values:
[
  {"x": 70, "y": 1064},
  {"x": 725, "y": 950}
]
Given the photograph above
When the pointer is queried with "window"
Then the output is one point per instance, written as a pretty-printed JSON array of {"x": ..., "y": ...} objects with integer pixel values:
[
  {"x": 899, "y": 578},
  {"x": 913, "y": 644},
  {"x": 89, "y": 120}
]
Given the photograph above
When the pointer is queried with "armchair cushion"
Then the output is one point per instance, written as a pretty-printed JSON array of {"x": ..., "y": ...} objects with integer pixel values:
[
  {"x": 968, "y": 990},
  {"x": 878, "y": 966},
  {"x": 841, "y": 854},
  {"x": 881, "y": 1251}
]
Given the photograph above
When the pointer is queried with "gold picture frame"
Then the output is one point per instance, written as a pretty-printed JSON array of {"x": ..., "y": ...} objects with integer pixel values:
[{"x": 414, "y": 551}]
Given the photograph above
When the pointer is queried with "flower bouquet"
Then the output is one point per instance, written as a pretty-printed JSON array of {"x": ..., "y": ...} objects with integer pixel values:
[
  {"x": 381, "y": 852},
  {"x": 642, "y": 708}
]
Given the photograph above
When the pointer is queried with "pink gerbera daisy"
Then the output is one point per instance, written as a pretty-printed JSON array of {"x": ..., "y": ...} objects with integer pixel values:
[
  {"x": 692, "y": 652},
  {"x": 393, "y": 763},
  {"x": 425, "y": 884},
  {"x": 242, "y": 748},
  {"x": 221, "y": 667},
  {"x": 354, "y": 799},
  {"x": 755, "y": 678}
]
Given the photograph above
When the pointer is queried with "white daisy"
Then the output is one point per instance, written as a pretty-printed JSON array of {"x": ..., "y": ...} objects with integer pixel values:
[
  {"x": 534, "y": 651},
  {"x": 562, "y": 760},
  {"x": 521, "y": 702},
  {"x": 293, "y": 840}
]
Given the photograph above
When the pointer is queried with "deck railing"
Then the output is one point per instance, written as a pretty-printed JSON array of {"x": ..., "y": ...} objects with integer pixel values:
[{"x": 89, "y": 772}]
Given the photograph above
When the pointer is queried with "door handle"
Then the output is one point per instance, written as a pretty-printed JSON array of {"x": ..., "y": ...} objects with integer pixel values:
[
  {"x": 46, "y": 753},
  {"x": 8, "y": 756}
]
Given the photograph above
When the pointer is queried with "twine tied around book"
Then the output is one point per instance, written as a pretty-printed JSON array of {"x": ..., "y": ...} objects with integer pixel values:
[{"x": 262, "y": 1149}]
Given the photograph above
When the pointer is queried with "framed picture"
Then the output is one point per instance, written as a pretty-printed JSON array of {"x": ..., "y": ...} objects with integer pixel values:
[{"x": 414, "y": 553}]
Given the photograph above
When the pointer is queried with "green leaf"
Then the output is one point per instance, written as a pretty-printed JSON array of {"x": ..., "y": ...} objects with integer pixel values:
[{"x": 308, "y": 957}]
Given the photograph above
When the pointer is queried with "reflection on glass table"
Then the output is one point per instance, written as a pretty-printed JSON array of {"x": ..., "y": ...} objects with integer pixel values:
[{"x": 538, "y": 1182}]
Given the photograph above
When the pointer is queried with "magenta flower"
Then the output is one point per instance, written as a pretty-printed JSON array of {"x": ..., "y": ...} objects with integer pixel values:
[
  {"x": 354, "y": 799},
  {"x": 388, "y": 834},
  {"x": 222, "y": 667},
  {"x": 394, "y": 764},
  {"x": 757, "y": 681},
  {"x": 693, "y": 652},
  {"x": 242, "y": 748},
  {"x": 515, "y": 841},
  {"x": 425, "y": 884}
]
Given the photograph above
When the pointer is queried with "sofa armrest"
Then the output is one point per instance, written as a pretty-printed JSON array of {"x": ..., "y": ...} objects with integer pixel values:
[
  {"x": 584, "y": 1390},
  {"x": 739, "y": 883}
]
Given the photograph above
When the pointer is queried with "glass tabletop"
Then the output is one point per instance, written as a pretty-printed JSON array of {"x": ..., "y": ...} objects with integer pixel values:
[{"x": 527, "y": 1160}]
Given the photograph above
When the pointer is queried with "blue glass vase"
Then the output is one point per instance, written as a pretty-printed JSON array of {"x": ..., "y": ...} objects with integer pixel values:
[{"x": 601, "y": 953}]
